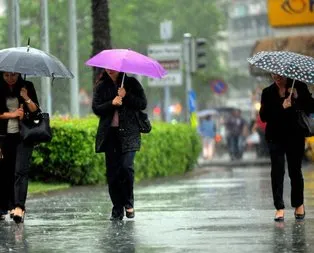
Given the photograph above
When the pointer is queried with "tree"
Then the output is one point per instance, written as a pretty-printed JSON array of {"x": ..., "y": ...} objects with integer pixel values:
[
  {"x": 100, "y": 28},
  {"x": 129, "y": 24}
]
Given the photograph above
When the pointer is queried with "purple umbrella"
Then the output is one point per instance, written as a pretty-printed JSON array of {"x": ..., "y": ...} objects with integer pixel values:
[{"x": 126, "y": 60}]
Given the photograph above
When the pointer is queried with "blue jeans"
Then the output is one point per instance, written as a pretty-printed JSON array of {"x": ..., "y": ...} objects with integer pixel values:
[{"x": 235, "y": 146}]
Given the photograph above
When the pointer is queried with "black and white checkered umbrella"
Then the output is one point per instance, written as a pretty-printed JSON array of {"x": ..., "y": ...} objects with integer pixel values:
[{"x": 284, "y": 63}]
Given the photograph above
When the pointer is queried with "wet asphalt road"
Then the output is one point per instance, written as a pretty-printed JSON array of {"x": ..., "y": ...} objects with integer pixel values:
[{"x": 218, "y": 210}]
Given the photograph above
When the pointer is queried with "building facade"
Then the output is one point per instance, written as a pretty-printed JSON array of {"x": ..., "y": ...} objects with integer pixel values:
[{"x": 247, "y": 23}]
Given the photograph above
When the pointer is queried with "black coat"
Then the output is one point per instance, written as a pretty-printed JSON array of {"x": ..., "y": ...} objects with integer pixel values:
[
  {"x": 134, "y": 100},
  {"x": 282, "y": 123},
  {"x": 3, "y": 107}
]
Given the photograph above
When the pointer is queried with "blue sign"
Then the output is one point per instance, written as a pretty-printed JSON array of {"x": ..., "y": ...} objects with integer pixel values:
[
  {"x": 218, "y": 86},
  {"x": 192, "y": 101}
]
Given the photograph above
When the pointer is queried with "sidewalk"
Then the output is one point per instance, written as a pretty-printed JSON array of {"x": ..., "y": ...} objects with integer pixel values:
[{"x": 249, "y": 159}]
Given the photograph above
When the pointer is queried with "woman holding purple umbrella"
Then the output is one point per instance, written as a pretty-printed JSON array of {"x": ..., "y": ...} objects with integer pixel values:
[{"x": 116, "y": 101}]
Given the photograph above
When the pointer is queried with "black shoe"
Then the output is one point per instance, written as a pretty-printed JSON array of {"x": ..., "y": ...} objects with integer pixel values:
[
  {"x": 279, "y": 219},
  {"x": 299, "y": 217},
  {"x": 116, "y": 218},
  {"x": 130, "y": 215},
  {"x": 116, "y": 214},
  {"x": 19, "y": 219}
]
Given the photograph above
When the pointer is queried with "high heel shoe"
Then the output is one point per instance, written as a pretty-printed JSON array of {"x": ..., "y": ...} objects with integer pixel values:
[
  {"x": 279, "y": 218},
  {"x": 129, "y": 214},
  {"x": 18, "y": 216},
  {"x": 299, "y": 217}
]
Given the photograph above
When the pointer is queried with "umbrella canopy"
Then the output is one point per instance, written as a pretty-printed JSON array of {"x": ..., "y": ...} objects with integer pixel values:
[
  {"x": 206, "y": 112},
  {"x": 284, "y": 63},
  {"x": 126, "y": 60},
  {"x": 33, "y": 62}
]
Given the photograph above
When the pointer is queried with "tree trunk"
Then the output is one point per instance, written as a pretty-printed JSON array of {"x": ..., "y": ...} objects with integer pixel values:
[{"x": 101, "y": 30}]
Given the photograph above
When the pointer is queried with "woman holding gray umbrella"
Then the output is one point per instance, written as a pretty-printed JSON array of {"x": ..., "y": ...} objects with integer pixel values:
[
  {"x": 116, "y": 101},
  {"x": 17, "y": 97},
  {"x": 286, "y": 141}
]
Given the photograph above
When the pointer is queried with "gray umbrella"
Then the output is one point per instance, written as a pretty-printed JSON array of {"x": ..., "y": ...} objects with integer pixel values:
[
  {"x": 284, "y": 63},
  {"x": 33, "y": 62}
]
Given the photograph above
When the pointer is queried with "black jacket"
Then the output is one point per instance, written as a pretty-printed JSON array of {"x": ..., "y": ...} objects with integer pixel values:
[
  {"x": 134, "y": 100},
  {"x": 3, "y": 107},
  {"x": 282, "y": 123}
]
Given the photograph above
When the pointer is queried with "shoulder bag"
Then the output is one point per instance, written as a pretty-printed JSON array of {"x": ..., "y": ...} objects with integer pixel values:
[
  {"x": 143, "y": 122},
  {"x": 306, "y": 123}
]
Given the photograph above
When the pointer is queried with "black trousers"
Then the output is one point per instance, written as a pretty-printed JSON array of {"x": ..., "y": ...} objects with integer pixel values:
[
  {"x": 14, "y": 172},
  {"x": 293, "y": 149},
  {"x": 23, "y": 160},
  {"x": 7, "y": 179},
  {"x": 120, "y": 174}
]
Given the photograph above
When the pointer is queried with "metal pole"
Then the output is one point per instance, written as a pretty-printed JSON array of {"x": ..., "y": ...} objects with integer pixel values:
[
  {"x": 17, "y": 24},
  {"x": 187, "y": 66},
  {"x": 167, "y": 99},
  {"x": 14, "y": 23},
  {"x": 73, "y": 58},
  {"x": 46, "y": 100}
]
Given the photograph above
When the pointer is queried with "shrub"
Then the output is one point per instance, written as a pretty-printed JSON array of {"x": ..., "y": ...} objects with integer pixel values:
[{"x": 70, "y": 156}]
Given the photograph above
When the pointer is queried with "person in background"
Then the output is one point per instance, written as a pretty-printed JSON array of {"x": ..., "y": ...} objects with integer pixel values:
[
  {"x": 118, "y": 135},
  {"x": 207, "y": 130},
  {"x": 17, "y": 97},
  {"x": 236, "y": 128},
  {"x": 285, "y": 138},
  {"x": 260, "y": 127}
]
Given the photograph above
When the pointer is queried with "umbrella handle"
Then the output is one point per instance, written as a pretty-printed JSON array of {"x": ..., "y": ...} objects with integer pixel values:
[
  {"x": 122, "y": 83},
  {"x": 292, "y": 89}
]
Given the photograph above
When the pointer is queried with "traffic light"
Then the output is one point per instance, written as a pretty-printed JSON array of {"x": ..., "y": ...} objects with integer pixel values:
[{"x": 198, "y": 54}]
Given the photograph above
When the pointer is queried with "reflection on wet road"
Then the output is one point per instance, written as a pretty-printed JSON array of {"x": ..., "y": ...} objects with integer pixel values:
[{"x": 222, "y": 210}]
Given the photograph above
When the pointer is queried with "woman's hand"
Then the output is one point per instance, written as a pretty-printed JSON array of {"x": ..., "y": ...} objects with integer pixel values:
[
  {"x": 121, "y": 92},
  {"x": 24, "y": 94},
  {"x": 286, "y": 103},
  {"x": 18, "y": 113},
  {"x": 117, "y": 101}
]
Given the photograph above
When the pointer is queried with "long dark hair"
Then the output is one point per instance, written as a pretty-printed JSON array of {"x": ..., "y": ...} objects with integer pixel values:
[
  {"x": 5, "y": 89},
  {"x": 104, "y": 77}
]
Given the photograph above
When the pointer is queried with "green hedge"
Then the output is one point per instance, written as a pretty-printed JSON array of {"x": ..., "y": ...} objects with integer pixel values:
[{"x": 70, "y": 157}]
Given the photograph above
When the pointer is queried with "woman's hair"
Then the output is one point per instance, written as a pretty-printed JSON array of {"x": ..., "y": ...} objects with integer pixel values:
[
  {"x": 6, "y": 91},
  {"x": 104, "y": 77}
]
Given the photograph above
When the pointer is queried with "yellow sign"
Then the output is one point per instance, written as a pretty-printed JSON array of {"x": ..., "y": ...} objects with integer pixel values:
[
  {"x": 193, "y": 119},
  {"x": 290, "y": 12}
]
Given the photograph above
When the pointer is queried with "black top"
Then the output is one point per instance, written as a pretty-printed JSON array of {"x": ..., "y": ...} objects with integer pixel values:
[
  {"x": 4, "y": 93},
  {"x": 282, "y": 123},
  {"x": 134, "y": 100}
]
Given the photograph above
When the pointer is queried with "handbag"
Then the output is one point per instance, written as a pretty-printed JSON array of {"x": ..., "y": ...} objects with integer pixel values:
[
  {"x": 143, "y": 122},
  {"x": 35, "y": 128},
  {"x": 306, "y": 123}
]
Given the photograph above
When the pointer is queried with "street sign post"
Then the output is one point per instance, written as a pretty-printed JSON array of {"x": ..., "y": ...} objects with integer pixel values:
[{"x": 218, "y": 86}]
